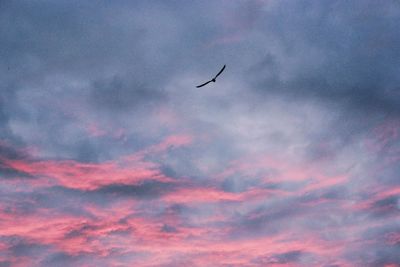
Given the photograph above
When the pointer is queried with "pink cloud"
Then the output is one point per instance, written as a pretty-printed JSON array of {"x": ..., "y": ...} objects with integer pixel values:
[
  {"x": 130, "y": 169},
  {"x": 161, "y": 235},
  {"x": 382, "y": 135},
  {"x": 95, "y": 131}
]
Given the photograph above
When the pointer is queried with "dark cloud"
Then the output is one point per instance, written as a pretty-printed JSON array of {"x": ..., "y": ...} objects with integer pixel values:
[
  {"x": 268, "y": 219},
  {"x": 381, "y": 248},
  {"x": 333, "y": 193},
  {"x": 63, "y": 259},
  {"x": 10, "y": 153},
  {"x": 168, "y": 229},
  {"x": 24, "y": 249},
  {"x": 119, "y": 95},
  {"x": 5, "y": 263},
  {"x": 149, "y": 189},
  {"x": 377, "y": 255},
  {"x": 144, "y": 190},
  {"x": 283, "y": 258},
  {"x": 335, "y": 55},
  {"x": 9, "y": 109},
  {"x": 237, "y": 184},
  {"x": 10, "y": 173},
  {"x": 386, "y": 207}
]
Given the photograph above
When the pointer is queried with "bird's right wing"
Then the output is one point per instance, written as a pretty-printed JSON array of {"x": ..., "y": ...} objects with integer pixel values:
[
  {"x": 220, "y": 71},
  {"x": 201, "y": 85}
]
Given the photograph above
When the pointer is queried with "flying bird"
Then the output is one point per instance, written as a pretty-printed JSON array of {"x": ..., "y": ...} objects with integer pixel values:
[{"x": 213, "y": 79}]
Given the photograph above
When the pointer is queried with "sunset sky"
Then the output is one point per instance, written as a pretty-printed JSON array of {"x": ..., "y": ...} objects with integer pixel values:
[{"x": 110, "y": 155}]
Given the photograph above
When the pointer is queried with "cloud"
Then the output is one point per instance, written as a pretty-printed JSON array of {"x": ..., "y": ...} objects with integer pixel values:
[
  {"x": 284, "y": 258},
  {"x": 8, "y": 152},
  {"x": 110, "y": 156},
  {"x": 116, "y": 95},
  {"x": 329, "y": 53},
  {"x": 145, "y": 190}
]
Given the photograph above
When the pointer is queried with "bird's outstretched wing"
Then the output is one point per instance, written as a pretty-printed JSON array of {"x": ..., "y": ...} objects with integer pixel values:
[
  {"x": 220, "y": 72},
  {"x": 198, "y": 86},
  {"x": 213, "y": 79}
]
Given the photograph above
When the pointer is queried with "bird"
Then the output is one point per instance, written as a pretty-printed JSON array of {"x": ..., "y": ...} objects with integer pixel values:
[{"x": 213, "y": 79}]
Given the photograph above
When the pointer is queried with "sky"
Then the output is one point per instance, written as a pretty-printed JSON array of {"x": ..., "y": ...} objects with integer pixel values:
[{"x": 110, "y": 155}]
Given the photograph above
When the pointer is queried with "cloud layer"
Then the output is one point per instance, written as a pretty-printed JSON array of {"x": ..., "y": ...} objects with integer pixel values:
[{"x": 109, "y": 155}]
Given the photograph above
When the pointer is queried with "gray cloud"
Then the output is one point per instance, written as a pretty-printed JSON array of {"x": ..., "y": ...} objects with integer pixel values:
[
  {"x": 9, "y": 153},
  {"x": 148, "y": 189},
  {"x": 334, "y": 54},
  {"x": 117, "y": 95},
  {"x": 283, "y": 258}
]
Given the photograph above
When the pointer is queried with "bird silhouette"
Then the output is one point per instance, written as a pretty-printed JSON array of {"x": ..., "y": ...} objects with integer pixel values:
[{"x": 213, "y": 79}]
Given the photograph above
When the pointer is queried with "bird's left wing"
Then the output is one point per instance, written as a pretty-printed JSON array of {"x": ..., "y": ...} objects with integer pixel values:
[{"x": 201, "y": 85}]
